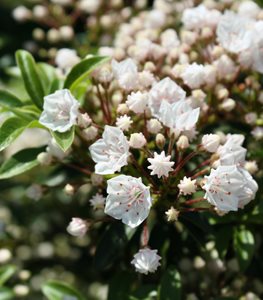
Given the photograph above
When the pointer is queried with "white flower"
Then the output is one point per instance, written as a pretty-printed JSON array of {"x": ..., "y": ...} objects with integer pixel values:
[
  {"x": 137, "y": 140},
  {"x": 225, "y": 67},
  {"x": 231, "y": 153},
  {"x": 5, "y": 255},
  {"x": 160, "y": 164},
  {"x": 178, "y": 116},
  {"x": 77, "y": 227},
  {"x": 155, "y": 19},
  {"x": 111, "y": 152},
  {"x": 257, "y": 133},
  {"x": 60, "y": 112},
  {"x": 233, "y": 32},
  {"x": 97, "y": 201},
  {"x": 187, "y": 186},
  {"x": 128, "y": 200},
  {"x": 194, "y": 75},
  {"x": 257, "y": 47},
  {"x": 165, "y": 90},
  {"x": 248, "y": 9},
  {"x": 146, "y": 79},
  {"x": 154, "y": 126},
  {"x": 66, "y": 58},
  {"x": 199, "y": 17},
  {"x": 138, "y": 102},
  {"x": 211, "y": 142},
  {"x": 229, "y": 188},
  {"x": 124, "y": 122},
  {"x": 126, "y": 73},
  {"x": 169, "y": 39},
  {"x": 146, "y": 261}
]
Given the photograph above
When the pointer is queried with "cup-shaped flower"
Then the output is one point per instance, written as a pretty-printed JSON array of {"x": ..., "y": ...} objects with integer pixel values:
[
  {"x": 178, "y": 116},
  {"x": 128, "y": 200},
  {"x": 229, "y": 188},
  {"x": 126, "y": 73},
  {"x": 60, "y": 112},
  {"x": 165, "y": 90},
  {"x": 233, "y": 32},
  {"x": 111, "y": 152},
  {"x": 146, "y": 261}
]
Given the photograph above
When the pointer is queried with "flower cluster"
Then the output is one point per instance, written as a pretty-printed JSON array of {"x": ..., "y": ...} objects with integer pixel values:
[{"x": 142, "y": 126}]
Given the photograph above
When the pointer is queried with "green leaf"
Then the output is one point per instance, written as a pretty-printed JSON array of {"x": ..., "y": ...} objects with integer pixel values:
[
  {"x": 48, "y": 76},
  {"x": 81, "y": 71},
  {"x": 30, "y": 77},
  {"x": 223, "y": 236},
  {"x": 6, "y": 272},
  {"x": 144, "y": 292},
  {"x": 55, "y": 290},
  {"x": 244, "y": 245},
  {"x": 64, "y": 139},
  {"x": 119, "y": 286},
  {"x": 21, "y": 162},
  {"x": 113, "y": 239},
  {"x": 6, "y": 293},
  {"x": 9, "y": 100},
  {"x": 170, "y": 287},
  {"x": 10, "y": 130}
]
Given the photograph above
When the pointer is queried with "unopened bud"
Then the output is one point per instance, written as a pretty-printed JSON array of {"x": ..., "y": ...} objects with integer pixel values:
[
  {"x": 69, "y": 189},
  {"x": 77, "y": 227},
  {"x": 210, "y": 142},
  {"x": 66, "y": 33},
  {"x": 160, "y": 140},
  {"x": 137, "y": 140},
  {"x": 251, "y": 166},
  {"x": 84, "y": 120},
  {"x": 122, "y": 109},
  {"x": 172, "y": 214},
  {"x": 228, "y": 105},
  {"x": 44, "y": 158},
  {"x": 90, "y": 133},
  {"x": 182, "y": 143}
]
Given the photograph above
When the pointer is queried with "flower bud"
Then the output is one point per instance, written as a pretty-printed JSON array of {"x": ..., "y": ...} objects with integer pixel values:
[
  {"x": 251, "y": 118},
  {"x": 122, "y": 109},
  {"x": 90, "y": 133},
  {"x": 69, "y": 189},
  {"x": 137, "y": 140},
  {"x": 40, "y": 11},
  {"x": 187, "y": 186},
  {"x": 66, "y": 33},
  {"x": 5, "y": 255},
  {"x": 44, "y": 158},
  {"x": 21, "y": 14},
  {"x": 160, "y": 140},
  {"x": 53, "y": 36},
  {"x": 210, "y": 142},
  {"x": 172, "y": 214},
  {"x": 21, "y": 290},
  {"x": 182, "y": 142},
  {"x": 38, "y": 34},
  {"x": 154, "y": 126},
  {"x": 251, "y": 166},
  {"x": 228, "y": 105},
  {"x": 77, "y": 227},
  {"x": 83, "y": 120}
]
